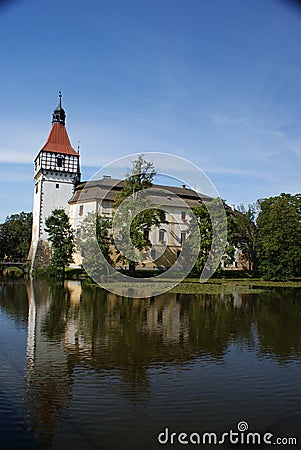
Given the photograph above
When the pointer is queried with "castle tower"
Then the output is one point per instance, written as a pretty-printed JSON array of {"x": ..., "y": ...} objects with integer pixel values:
[{"x": 56, "y": 172}]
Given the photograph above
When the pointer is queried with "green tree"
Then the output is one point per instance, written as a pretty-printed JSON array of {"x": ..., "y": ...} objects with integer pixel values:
[
  {"x": 279, "y": 237},
  {"x": 140, "y": 177},
  {"x": 95, "y": 229},
  {"x": 206, "y": 233},
  {"x": 136, "y": 210},
  {"x": 15, "y": 236},
  {"x": 205, "y": 230},
  {"x": 246, "y": 234},
  {"x": 62, "y": 240}
]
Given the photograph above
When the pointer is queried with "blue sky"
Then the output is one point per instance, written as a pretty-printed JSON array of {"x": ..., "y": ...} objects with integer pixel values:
[{"x": 217, "y": 82}]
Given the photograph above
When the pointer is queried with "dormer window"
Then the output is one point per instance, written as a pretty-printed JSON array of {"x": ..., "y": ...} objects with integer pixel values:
[{"x": 60, "y": 161}]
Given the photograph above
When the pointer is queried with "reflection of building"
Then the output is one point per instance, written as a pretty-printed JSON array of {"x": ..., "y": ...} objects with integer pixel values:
[
  {"x": 92, "y": 357},
  {"x": 57, "y": 185},
  {"x": 68, "y": 327},
  {"x": 48, "y": 375},
  {"x": 164, "y": 316},
  {"x": 82, "y": 341},
  {"x": 161, "y": 317}
]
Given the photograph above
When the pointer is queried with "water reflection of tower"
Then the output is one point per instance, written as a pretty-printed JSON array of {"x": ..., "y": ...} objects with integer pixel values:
[
  {"x": 164, "y": 315},
  {"x": 72, "y": 332},
  {"x": 48, "y": 375}
]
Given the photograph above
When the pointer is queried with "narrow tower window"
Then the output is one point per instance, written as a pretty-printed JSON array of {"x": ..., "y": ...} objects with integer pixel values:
[{"x": 60, "y": 161}]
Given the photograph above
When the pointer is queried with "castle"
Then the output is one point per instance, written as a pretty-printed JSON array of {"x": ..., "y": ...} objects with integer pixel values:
[{"x": 58, "y": 185}]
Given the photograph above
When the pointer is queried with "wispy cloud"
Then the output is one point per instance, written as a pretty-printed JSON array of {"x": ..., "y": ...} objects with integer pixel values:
[
  {"x": 270, "y": 132},
  {"x": 156, "y": 123},
  {"x": 238, "y": 171},
  {"x": 224, "y": 119}
]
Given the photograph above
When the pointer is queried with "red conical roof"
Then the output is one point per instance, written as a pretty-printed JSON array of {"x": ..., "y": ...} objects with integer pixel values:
[{"x": 58, "y": 140}]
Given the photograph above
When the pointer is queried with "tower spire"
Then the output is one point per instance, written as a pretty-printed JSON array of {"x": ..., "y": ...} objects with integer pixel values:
[{"x": 59, "y": 114}]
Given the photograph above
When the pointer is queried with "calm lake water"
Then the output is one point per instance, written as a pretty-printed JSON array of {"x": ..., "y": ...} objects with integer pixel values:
[{"x": 83, "y": 369}]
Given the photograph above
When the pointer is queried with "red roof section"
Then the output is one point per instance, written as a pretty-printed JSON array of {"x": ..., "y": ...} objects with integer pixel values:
[{"x": 58, "y": 140}]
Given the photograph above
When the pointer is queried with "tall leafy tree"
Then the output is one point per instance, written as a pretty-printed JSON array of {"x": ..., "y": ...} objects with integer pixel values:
[
  {"x": 279, "y": 229},
  {"x": 139, "y": 177},
  {"x": 206, "y": 234},
  {"x": 279, "y": 237},
  {"x": 137, "y": 211},
  {"x": 205, "y": 230},
  {"x": 15, "y": 236},
  {"x": 95, "y": 229},
  {"x": 62, "y": 240}
]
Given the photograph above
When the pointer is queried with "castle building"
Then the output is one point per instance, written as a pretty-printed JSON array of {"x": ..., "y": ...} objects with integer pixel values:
[
  {"x": 58, "y": 185},
  {"x": 98, "y": 196}
]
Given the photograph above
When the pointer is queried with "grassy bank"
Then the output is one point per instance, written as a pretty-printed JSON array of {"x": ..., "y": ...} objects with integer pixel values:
[
  {"x": 230, "y": 285},
  {"x": 212, "y": 286},
  {"x": 191, "y": 285}
]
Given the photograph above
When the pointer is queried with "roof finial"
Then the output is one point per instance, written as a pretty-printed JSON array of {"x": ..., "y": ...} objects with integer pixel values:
[
  {"x": 78, "y": 146},
  {"x": 59, "y": 114}
]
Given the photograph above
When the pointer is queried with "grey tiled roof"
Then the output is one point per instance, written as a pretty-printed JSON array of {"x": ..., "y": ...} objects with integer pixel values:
[{"x": 107, "y": 188}]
